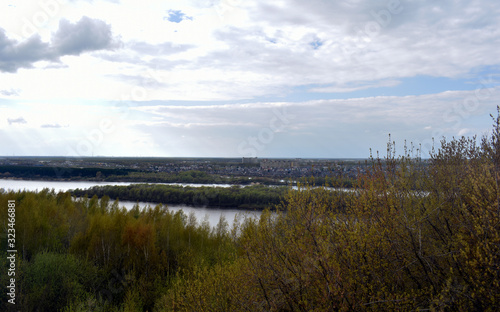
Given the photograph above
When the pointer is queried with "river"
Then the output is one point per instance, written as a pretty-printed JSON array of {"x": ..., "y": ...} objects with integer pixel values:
[{"x": 212, "y": 215}]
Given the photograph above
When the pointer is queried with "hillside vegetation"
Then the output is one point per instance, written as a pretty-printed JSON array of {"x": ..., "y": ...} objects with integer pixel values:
[{"x": 410, "y": 237}]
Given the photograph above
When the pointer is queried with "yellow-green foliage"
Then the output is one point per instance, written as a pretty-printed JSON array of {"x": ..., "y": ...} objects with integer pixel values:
[
  {"x": 413, "y": 235},
  {"x": 133, "y": 255}
]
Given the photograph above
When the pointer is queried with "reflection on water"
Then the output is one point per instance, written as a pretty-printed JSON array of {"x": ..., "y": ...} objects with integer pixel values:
[
  {"x": 212, "y": 215},
  {"x": 29, "y": 185}
]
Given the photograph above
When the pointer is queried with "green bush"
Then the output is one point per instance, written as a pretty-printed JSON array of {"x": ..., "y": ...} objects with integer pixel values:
[{"x": 51, "y": 281}]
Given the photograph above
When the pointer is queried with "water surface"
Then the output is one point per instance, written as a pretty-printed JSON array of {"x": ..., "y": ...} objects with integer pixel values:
[{"x": 212, "y": 215}]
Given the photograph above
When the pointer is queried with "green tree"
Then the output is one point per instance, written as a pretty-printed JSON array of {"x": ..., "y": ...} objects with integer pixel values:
[{"x": 50, "y": 281}]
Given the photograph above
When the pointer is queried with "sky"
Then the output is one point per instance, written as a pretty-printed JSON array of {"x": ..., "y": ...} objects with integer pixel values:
[{"x": 235, "y": 78}]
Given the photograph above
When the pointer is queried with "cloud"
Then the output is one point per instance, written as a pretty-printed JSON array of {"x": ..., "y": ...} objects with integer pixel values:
[
  {"x": 162, "y": 49},
  {"x": 70, "y": 39},
  {"x": 19, "y": 120},
  {"x": 329, "y": 128},
  {"x": 56, "y": 125},
  {"x": 15, "y": 55},
  {"x": 361, "y": 85},
  {"x": 86, "y": 35},
  {"x": 271, "y": 49},
  {"x": 141, "y": 80},
  {"x": 11, "y": 92},
  {"x": 339, "y": 43},
  {"x": 465, "y": 132},
  {"x": 91, "y": 1}
]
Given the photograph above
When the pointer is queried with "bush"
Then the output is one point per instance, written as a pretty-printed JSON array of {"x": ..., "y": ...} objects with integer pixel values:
[
  {"x": 50, "y": 281},
  {"x": 413, "y": 235}
]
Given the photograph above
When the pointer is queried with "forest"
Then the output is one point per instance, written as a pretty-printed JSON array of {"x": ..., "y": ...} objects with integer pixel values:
[
  {"x": 249, "y": 197},
  {"x": 127, "y": 175},
  {"x": 410, "y": 236}
]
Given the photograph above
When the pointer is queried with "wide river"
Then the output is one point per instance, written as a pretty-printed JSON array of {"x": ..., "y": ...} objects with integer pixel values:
[{"x": 212, "y": 215}]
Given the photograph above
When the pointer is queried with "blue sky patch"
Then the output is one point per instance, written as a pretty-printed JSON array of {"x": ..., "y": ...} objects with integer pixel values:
[
  {"x": 177, "y": 16},
  {"x": 316, "y": 44}
]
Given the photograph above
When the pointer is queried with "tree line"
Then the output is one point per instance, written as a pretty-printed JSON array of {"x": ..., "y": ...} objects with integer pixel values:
[
  {"x": 249, "y": 197},
  {"x": 56, "y": 173},
  {"x": 45, "y": 172}
]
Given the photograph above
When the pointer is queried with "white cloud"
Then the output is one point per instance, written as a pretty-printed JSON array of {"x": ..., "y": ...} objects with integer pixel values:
[
  {"x": 234, "y": 51},
  {"x": 11, "y": 92},
  {"x": 19, "y": 120},
  {"x": 361, "y": 85},
  {"x": 239, "y": 50},
  {"x": 319, "y": 128},
  {"x": 84, "y": 36}
]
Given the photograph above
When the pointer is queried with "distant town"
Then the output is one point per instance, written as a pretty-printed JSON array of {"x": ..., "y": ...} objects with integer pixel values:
[{"x": 276, "y": 169}]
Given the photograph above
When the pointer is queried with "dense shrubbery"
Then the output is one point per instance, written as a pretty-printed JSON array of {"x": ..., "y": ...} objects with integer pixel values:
[
  {"x": 413, "y": 237},
  {"x": 410, "y": 237}
]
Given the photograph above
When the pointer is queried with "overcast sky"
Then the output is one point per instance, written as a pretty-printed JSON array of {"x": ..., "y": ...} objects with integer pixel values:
[{"x": 235, "y": 78}]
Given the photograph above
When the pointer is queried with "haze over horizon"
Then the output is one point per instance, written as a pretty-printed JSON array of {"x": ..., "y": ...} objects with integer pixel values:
[{"x": 234, "y": 78}]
